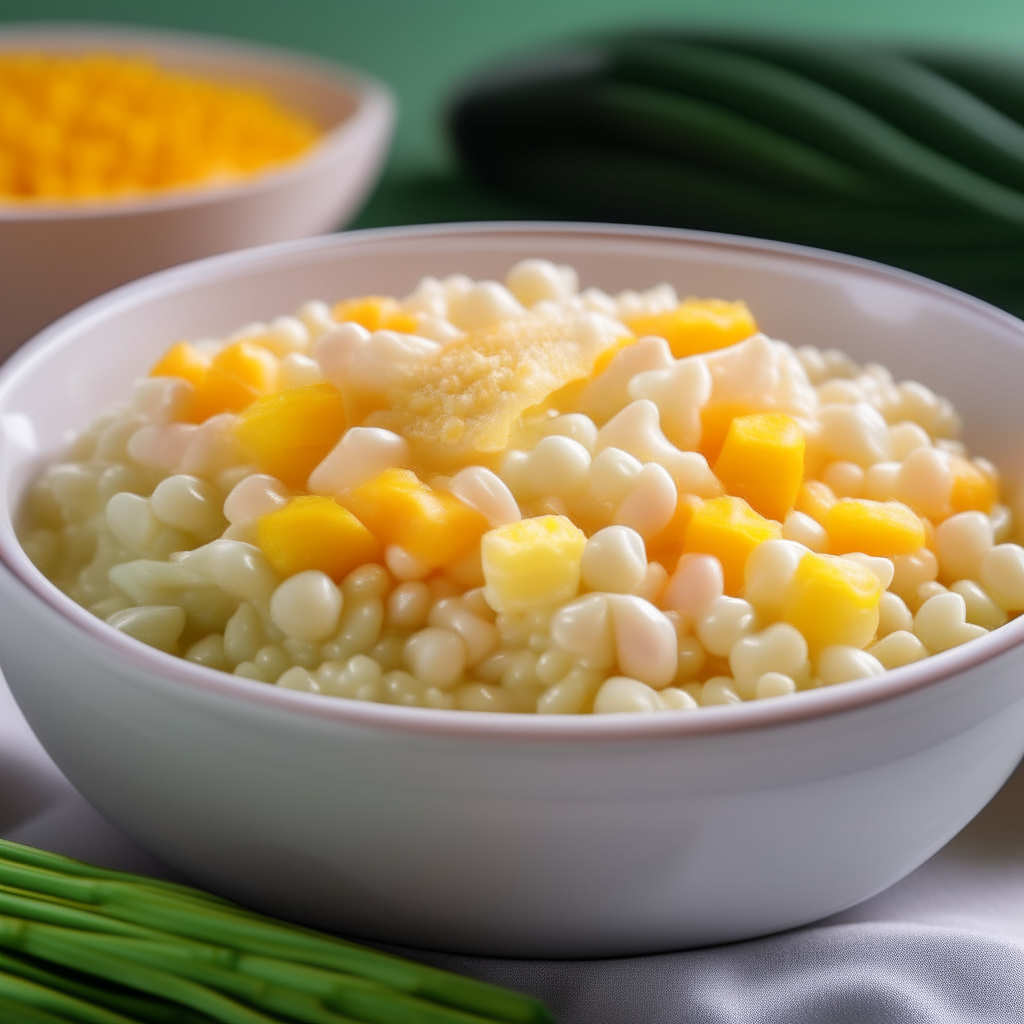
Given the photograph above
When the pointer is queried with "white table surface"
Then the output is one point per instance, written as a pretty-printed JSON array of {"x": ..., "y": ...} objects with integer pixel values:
[{"x": 946, "y": 944}]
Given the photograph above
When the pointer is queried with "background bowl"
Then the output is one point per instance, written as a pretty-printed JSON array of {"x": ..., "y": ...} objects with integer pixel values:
[
  {"x": 54, "y": 256},
  {"x": 517, "y": 834}
]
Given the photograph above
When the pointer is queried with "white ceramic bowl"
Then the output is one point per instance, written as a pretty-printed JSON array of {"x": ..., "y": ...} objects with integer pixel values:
[
  {"x": 517, "y": 834},
  {"x": 54, "y": 256}
]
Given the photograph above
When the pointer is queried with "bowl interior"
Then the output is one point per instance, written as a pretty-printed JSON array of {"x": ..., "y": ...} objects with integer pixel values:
[{"x": 960, "y": 347}]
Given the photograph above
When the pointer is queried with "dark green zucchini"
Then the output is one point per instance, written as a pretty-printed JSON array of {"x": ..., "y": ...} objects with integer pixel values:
[
  {"x": 810, "y": 112},
  {"x": 591, "y": 181},
  {"x": 793, "y": 143},
  {"x": 996, "y": 80},
  {"x": 645, "y": 119},
  {"x": 925, "y": 105}
]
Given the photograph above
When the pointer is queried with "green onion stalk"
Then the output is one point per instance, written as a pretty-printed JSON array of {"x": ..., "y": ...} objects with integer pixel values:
[{"x": 85, "y": 944}]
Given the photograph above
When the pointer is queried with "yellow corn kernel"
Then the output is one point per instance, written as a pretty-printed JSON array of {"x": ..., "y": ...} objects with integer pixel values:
[
  {"x": 532, "y": 562},
  {"x": 814, "y": 499},
  {"x": 314, "y": 532},
  {"x": 399, "y": 509},
  {"x": 698, "y": 325},
  {"x": 715, "y": 420},
  {"x": 972, "y": 489},
  {"x": 182, "y": 360},
  {"x": 833, "y": 600},
  {"x": 885, "y": 528},
  {"x": 287, "y": 434},
  {"x": 238, "y": 375},
  {"x": 375, "y": 313},
  {"x": 762, "y": 461},
  {"x": 729, "y": 529}
]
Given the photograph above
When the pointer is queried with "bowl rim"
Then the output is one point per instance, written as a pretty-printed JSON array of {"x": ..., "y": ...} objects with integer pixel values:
[
  {"x": 750, "y": 715},
  {"x": 372, "y": 101}
]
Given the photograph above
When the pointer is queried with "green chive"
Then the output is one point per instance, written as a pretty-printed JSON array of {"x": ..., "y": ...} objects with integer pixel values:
[
  {"x": 42, "y": 941},
  {"x": 191, "y": 927},
  {"x": 46, "y": 999},
  {"x": 65, "y": 914},
  {"x": 83, "y": 986},
  {"x": 22, "y": 854},
  {"x": 14, "y": 1012},
  {"x": 281, "y": 987}
]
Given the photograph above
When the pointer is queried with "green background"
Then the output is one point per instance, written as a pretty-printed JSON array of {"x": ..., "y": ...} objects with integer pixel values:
[{"x": 424, "y": 48}]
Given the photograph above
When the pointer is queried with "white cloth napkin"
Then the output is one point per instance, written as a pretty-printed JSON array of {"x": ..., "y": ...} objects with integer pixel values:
[{"x": 944, "y": 946}]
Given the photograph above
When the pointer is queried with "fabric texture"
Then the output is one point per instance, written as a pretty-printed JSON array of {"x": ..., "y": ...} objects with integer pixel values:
[
  {"x": 943, "y": 946},
  {"x": 878, "y": 972}
]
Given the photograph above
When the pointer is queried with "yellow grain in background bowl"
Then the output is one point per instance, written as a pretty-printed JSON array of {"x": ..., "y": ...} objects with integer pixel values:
[{"x": 100, "y": 125}]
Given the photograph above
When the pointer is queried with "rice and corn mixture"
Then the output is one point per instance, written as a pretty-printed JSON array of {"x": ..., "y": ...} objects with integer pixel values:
[
  {"x": 100, "y": 125},
  {"x": 519, "y": 497}
]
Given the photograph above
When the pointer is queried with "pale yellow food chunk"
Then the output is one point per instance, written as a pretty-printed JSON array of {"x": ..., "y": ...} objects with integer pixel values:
[
  {"x": 532, "y": 562},
  {"x": 833, "y": 601},
  {"x": 461, "y": 408}
]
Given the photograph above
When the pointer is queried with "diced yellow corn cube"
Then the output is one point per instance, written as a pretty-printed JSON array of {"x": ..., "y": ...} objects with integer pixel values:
[
  {"x": 729, "y": 529},
  {"x": 698, "y": 325},
  {"x": 287, "y": 434},
  {"x": 814, "y": 499},
  {"x": 237, "y": 376},
  {"x": 314, "y": 532},
  {"x": 762, "y": 461},
  {"x": 884, "y": 528},
  {"x": 715, "y": 419},
  {"x": 667, "y": 546},
  {"x": 375, "y": 313},
  {"x": 399, "y": 509},
  {"x": 183, "y": 360},
  {"x": 531, "y": 563},
  {"x": 833, "y": 600},
  {"x": 972, "y": 489}
]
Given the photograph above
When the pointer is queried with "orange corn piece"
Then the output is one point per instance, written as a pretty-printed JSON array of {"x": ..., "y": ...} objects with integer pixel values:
[
  {"x": 729, "y": 529},
  {"x": 315, "y": 532},
  {"x": 182, "y": 360},
  {"x": 972, "y": 489},
  {"x": 698, "y": 325},
  {"x": 399, "y": 509},
  {"x": 667, "y": 546},
  {"x": 287, "y": 434},
  {"x": 762, "y": 461},
  {"x": 238, "y": 375},
  {"x": 715, "y": 420},
  {"x": 375, "y": 313},
  {"x": 814, "y": 499},
  {"x": 833, "y": 601},
  {"x": 885, "y": 528}
]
